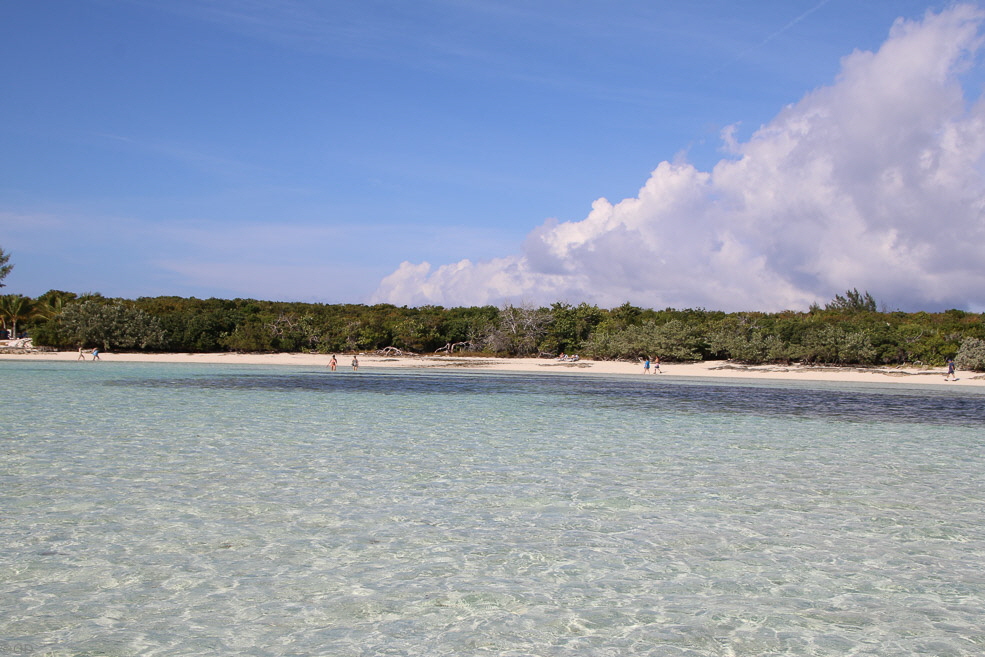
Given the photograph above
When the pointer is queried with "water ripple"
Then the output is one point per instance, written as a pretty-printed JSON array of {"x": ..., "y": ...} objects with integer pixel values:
[{"x": 264, "y": 511}]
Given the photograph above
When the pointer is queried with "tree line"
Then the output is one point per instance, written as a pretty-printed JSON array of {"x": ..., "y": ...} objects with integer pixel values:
[{"x": 847, "y": 331}]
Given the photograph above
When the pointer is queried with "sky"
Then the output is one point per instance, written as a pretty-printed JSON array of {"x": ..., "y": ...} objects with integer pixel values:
[{"x": 704, "y": 154}]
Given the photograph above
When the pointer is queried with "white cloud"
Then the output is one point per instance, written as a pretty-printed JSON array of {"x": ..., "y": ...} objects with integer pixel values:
[{"x": 873, "y": 182}]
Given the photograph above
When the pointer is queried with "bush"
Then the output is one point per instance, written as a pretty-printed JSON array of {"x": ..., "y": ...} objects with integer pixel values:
[
  {"x": 111, "y": 325},
  {"x": 971, "y": 355},
  {"x": 834, "y": 344},
  {"x": 751, "y": 347}
]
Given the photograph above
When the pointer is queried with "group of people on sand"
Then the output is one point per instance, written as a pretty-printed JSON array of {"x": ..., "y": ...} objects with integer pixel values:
[
  {"x": 565, "y": 357},
  {"x": 334, "y": 363},
  {"x": 95, "y": 354},
  {"x": 656, "y": 365}
]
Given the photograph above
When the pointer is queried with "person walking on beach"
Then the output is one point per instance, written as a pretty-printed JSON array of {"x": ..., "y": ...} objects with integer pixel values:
[
  {"x": 656, "y": 364},
  {"x": 646, "y": 366},
  {"x": 950, "y": 370},
  {"x": 81, "y": 355},
  {"x": 333, "y": 363},
  {"x": 355, "y": 363},
  {"x": 95, "y": 354}
]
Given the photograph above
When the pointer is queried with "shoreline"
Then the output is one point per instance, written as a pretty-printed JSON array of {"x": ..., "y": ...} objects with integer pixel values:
[{"x": 705, "y": 369}]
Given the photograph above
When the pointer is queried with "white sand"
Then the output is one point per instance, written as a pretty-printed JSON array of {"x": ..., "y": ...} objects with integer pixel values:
[{"x": 710, "y": 369}]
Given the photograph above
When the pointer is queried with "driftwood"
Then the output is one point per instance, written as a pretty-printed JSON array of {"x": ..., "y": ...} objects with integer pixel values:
[
  {"x": 393, "y": 351},
  {"x": 450, "y": 348},
  {"x": 20, "y": 346}
]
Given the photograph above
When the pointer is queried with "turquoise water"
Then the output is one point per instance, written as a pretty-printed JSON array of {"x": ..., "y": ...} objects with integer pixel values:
[{"x": 151, "y": 509}]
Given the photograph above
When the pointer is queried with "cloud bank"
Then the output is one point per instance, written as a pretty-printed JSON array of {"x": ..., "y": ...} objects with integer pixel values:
[{"x": 874, "y": 182}]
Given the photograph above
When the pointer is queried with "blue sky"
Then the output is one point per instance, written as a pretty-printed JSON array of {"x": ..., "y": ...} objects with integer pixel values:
[{"x": 324, "y": 151}]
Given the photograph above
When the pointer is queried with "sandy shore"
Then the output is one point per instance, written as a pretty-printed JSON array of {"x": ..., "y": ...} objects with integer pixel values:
[{"x": 709, "y": 369}]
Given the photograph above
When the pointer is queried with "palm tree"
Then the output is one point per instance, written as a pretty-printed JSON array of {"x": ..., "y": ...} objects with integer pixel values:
[
  {"x": 15, "y": 308},
  {"x": 49, "y": 306},
  {"x": 4, "y": 267}
]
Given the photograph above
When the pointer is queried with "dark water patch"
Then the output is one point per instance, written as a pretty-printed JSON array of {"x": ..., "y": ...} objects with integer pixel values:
[{"x": 855, "y": 405}]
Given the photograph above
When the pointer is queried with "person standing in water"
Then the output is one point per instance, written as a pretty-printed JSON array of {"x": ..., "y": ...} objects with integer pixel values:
[
  {"x": 355, "y": 363},
  {"x": 333, "y": 363}
]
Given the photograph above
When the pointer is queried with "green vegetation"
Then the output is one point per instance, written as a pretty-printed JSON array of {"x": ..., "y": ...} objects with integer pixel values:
[
  {"x": 847, "y": 331},
  {"x": 15, "y": 309},
  {"x": 4, "y": 267},
  {"x": 113, "y": 325},
  {"x": 971, "y": 355}
]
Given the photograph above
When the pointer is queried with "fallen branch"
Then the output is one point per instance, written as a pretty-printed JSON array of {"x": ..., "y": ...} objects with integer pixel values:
[
  {"x": 393, "y": 351},
  {"x": 468, "y": 345}
]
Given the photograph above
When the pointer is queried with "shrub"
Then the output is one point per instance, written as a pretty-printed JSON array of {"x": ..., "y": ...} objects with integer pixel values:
[
  {"x": 971, "y": 355},
  {"x": 111, "y": 325}
]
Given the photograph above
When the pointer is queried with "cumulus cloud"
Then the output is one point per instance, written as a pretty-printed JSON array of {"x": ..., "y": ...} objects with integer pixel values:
[{"x": 874, "y": 182}]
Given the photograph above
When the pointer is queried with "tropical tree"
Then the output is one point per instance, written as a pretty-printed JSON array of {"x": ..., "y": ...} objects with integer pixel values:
[
  {"x": 519, "y": 330},
  {"x": 971, "y": 355},
  {"x": 4, "y": 267},
  {"x": 15, "y": 308},
  {"x": 107, "y": 325},
  {"x": 835, "y": 344},
  {"x": 744, "y": 340},
  {"x": 570, "y": 326},
  {"x": 853, "y": 302},
  {"x": 45, "y": 327}
]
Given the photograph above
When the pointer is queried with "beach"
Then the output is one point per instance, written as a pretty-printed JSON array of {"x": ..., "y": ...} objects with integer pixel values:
[{"x": 706, "y": 369}]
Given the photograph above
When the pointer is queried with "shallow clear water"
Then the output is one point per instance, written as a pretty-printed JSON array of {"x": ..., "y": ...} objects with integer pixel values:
[{"x": 151, "y": 509}]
